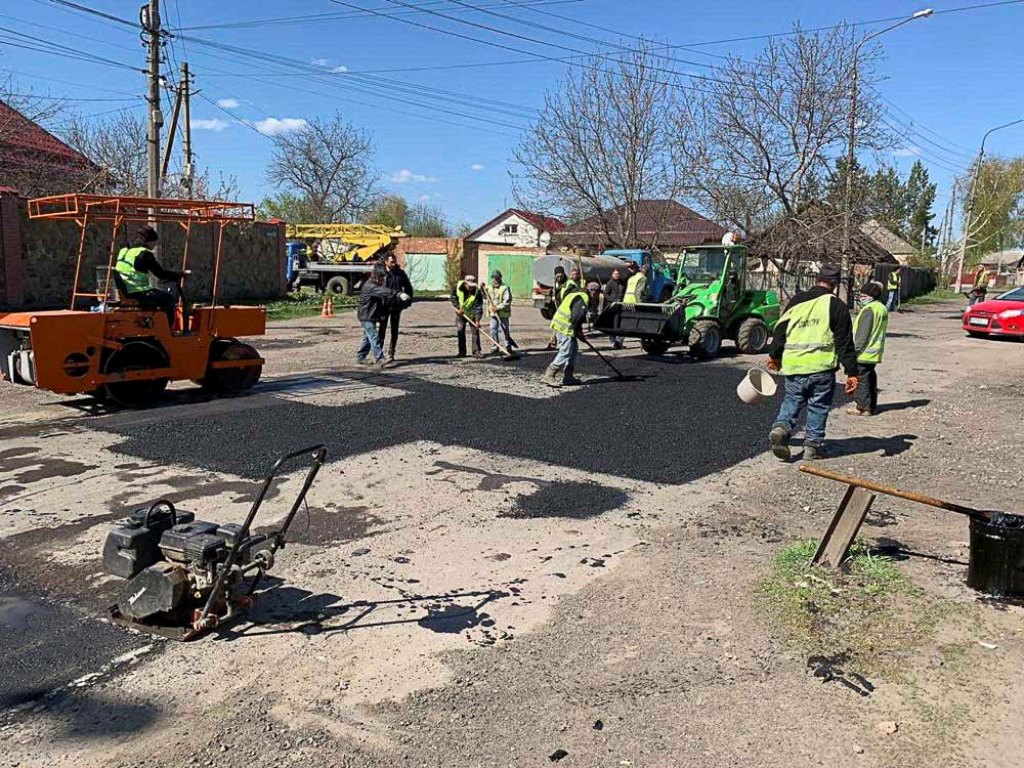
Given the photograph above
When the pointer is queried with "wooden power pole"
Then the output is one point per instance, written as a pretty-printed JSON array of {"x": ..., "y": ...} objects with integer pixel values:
[{"x": 150, "y": 19}]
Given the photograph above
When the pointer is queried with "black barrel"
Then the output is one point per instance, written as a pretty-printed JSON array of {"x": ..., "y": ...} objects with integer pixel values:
[{"x": 997, "y": 556}]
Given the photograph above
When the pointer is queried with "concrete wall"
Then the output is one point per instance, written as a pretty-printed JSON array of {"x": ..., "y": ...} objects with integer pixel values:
[{"x": 38, "y": 258}]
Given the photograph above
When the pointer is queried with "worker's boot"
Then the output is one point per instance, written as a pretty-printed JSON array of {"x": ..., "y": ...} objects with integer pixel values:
[
  {"x": 815, "y": 452},
  {"x": 553, "y": 376},
  {"x": 778, "y": 439},
  {"x": 570, "y": 379}
]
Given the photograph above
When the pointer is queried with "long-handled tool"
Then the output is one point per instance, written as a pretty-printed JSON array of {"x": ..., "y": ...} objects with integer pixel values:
[
  {"x": 504, "y": 352},
  {"x": 603, "y": 359}
]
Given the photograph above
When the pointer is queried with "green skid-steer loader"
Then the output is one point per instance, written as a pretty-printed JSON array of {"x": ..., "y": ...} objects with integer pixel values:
[{"x": 711, "y": 303}]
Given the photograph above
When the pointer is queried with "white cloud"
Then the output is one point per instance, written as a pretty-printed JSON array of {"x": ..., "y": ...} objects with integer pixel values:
[
  {"x": 424, "y": 198},
  {"x": 213, "y": 124},
  {"x": 320, "y": 62},
  {"x": 477, "y": 166},
  {"x": 227, "y": 103},
  {"x": 405, "y": 176},
  {"x": 340, "y": 68},
  {"x": 274, "y": 126},
  {"x": 908, "y": 151}
]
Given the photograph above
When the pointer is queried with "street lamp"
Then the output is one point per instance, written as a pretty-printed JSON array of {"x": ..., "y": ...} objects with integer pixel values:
[
  {"x": 850, "y": 159},
  {"x": 970, "y": 200}
]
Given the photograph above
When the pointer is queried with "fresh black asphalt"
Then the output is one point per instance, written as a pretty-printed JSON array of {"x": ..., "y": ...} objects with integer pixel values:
[{"x": 677, "y": 422}]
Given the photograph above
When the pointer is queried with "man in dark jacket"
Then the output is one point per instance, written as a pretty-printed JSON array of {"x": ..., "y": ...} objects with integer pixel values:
[
  {"x": 812, "y": 339},
  {"x": 395, "y": 279},
  {"x": 375, "y": 301},
  {"x": 134, "y": 266},
  {"x": 613, "y": 292}
]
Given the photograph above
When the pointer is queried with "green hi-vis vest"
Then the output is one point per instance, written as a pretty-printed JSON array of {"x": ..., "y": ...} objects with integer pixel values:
[
  {"x": 894, "y": 279},
  {"x": 810, "y": 345},
  {"x": 873, "y": 312},
  {"x": 562, "y": 321},
  {"x": 635, "y": 287},
  {"x": 467, "y": 300},
  {"x": 498, "y": 296},
  {"x": 134, "y": 281}
]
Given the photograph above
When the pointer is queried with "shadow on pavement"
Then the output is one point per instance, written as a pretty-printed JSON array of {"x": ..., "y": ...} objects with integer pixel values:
[
  {"x": 890, "y": 446},
  {"x": 905, "y": 405}
]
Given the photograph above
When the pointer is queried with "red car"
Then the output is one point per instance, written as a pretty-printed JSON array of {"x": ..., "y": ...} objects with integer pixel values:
[{"x": 1001, "y": 316}]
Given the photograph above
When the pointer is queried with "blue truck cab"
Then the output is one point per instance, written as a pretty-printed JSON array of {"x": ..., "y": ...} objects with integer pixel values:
[{"x": 661, "y": 281}]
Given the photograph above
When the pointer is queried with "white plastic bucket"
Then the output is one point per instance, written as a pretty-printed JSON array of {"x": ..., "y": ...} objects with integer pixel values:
[{"x": 757, "y": 384}]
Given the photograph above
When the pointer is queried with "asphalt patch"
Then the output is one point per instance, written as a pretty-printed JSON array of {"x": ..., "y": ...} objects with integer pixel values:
[
  {"x": 324, "y": 527},
  {"x": 677, "y": 426},
  {"x": 576, "y": 501}
]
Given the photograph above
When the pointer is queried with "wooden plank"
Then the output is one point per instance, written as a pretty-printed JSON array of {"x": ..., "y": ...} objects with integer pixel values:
[{"x": 844, "y": 527}]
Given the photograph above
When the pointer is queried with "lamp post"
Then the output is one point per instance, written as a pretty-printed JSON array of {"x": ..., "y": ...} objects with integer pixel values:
[
  {"x": 969, "y": 205},
  {"x": 851, "y": 147}
]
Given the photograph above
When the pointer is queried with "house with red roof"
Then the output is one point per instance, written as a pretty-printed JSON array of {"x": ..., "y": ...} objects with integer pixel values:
[
  {"x": 516, "y": 227},
  {"x": 35, "y": 162}
]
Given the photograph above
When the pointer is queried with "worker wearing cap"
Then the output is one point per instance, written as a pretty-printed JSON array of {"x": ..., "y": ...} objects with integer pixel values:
[
  {"x": 134, "y": 266},
  {"x": 557, "y": 292},
  {"x": 568, "y": 327},
  {"x": 893, "y": 286},
  {"x": 575, "y": 282},
  {"x": 499, "y": 307},
  {"x": 869, "y": 340},
  {"x": 980, "y": 288},
  {"x": 468, "y": 300},
  {"x": 636, "y": 286},
  {"x": 812, "y": 339}
]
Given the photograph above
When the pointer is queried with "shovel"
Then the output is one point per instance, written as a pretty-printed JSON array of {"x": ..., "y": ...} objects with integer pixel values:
[{"x": 504, "y": 352}]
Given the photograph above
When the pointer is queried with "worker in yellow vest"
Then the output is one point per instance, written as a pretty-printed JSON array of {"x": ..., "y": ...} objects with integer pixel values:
[
  {"x": 499, "y": 306},
  {"x": 568, "y": 327},
  {"x": 134, "y": 266},
  {"x": 980, "y": 288},
  {"x": 468, "y": 301},
  {"x": 869, "y": 340},
  {"x": 636, "y": 285},
  {"x": 893, "y": 286},
  {"x": 812, "y": 339}
]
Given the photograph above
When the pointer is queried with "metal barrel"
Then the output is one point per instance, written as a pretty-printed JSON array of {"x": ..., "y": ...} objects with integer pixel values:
[{"x": 595, "y": 268}]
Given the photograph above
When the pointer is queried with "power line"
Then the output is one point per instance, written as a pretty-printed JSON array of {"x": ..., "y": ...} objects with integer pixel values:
[
  {"x": 93, "y": 12},
  {"x": 22, "y": 40}
]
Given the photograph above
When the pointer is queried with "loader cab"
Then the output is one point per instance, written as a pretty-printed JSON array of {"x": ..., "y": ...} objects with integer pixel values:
[{"x": 717, "y": 272}]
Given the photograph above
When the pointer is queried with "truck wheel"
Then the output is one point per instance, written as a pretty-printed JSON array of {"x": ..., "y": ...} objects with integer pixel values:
[
  {"x": 338, "y": 285},
  {"x": 705, "y": 339},
  {"x": 752, "y": 337},
  {"x": 654, "y": 346}
]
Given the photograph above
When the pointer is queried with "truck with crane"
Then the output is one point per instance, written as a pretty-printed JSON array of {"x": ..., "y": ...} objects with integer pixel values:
[{"x": 336, "y": 258}]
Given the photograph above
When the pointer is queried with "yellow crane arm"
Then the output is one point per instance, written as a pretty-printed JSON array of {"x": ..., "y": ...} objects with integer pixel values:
[{"x": 365, "y": 240}]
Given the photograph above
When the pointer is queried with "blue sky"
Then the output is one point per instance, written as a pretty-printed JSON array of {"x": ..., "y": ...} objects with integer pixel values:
[{"x": 952, "y": 76}]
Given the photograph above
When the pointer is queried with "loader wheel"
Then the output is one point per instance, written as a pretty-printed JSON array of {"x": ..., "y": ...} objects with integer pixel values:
[
  {"x": 705, "y": 339},
  {"x": 135, "y": 356},
  {"x": 339, "y": 286},
  {"x": 654, "y": 346},
  {"x": 232, "y": 380},
  {"x": 752, "y": 337}
]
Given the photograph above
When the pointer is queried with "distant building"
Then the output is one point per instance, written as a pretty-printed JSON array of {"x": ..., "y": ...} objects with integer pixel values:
[
  {"x": 516, "y": 227},
  {"x": 35, "y": 162},
  {"x": 662, "y": 225},
  {"x": 1006, "y": 268},
  {"x": 899, "y": 248}
]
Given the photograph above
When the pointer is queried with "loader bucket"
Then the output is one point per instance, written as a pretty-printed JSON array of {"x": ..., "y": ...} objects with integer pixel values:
[{"x": 643, "y": 321}]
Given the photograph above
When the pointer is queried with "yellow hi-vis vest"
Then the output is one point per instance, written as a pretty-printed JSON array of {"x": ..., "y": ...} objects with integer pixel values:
[
  {"x": 873, "y": 312},
  {"x": 894, "y": 279},
  {"x": 562, "y": 321},
  {"x": 467, "y": 299},
  {"x": 497, "y": 296},
  {"x": 810, "y": 345},
  {"x": 635, "y": 287},
  {"x": 134, "y": 281}
]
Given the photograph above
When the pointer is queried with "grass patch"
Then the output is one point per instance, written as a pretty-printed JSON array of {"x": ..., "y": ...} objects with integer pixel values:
[
  {"x": 301, "y": 304},
  {"x": 932, "y": 297},
  {"x": 869, "y": 613}
]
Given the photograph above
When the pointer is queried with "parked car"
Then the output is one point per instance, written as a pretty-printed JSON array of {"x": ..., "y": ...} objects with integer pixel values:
[{"x": 1001, "y": 316}]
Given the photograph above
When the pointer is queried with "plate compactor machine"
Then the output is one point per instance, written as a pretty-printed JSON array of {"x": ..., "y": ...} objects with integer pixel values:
[{"x": 184, "y": 577}]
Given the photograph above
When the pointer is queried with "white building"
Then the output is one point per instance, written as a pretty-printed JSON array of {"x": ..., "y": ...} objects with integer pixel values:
[{"x": 517, "y": 228}]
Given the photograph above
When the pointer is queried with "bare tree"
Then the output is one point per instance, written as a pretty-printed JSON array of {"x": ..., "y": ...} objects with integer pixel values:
[
  {"x": 758, "y": 139},
  {"x": 328, "y": 163},
  {"x": 602, "y": 144}
]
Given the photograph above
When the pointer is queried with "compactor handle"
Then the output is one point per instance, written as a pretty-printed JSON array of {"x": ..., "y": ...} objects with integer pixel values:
[{"x": 156, "y": 505}]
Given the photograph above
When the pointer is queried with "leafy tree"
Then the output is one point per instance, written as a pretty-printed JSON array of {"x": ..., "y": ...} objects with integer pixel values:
[
  {"x": 425, "y": 220},
  {"x": 920, "y": 199},
  {"x": 389, "y": 210},
  {"x": 997, "y": 221}
]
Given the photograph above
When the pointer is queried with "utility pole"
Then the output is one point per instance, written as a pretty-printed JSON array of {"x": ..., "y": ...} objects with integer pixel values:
[
  {"x": 186, "y": 136},
  {"x": 847, "y": 272},
  {"x": 969, "y": 207},
  {"x": 149, "y": 17}
]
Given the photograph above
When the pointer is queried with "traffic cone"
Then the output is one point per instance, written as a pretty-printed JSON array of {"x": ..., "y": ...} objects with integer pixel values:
[
  {"x": 323, "y": 308},
  {"x": 330, "y": 307}
]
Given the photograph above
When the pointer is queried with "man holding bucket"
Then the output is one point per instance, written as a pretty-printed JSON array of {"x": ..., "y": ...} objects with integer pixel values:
[{"x": 812, "y": 339}]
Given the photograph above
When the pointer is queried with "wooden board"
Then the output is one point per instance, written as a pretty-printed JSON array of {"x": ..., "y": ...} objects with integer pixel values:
[{"x": 843, "y": 529}]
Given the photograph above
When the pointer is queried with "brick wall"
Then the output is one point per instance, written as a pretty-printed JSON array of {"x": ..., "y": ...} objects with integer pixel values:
[{"x": 42, "y": 254}]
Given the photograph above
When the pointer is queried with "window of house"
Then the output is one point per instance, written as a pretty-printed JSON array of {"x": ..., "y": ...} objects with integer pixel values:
[{"x": 510, "y": 229}]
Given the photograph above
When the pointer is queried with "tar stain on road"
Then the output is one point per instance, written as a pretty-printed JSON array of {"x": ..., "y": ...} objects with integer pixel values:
[
  {"x": 324, "y": 527},
  {"x": 675, "y": 427},
  {"x": 578, "y": 501}
]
